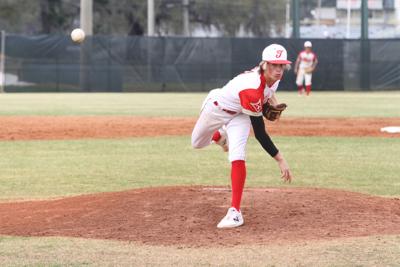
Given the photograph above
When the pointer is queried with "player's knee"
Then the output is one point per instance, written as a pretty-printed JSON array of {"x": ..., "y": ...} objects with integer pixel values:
[
  {"x": 236, "y": 157},
  {"x": 196, "y": 143}
]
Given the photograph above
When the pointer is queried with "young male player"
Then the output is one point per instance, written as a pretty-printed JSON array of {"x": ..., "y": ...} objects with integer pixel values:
[
  {"x": 305, "y": 65},
  {"x": 227, "y": 114}
]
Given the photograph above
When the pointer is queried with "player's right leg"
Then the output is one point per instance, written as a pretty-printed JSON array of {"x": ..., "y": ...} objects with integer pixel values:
[
  {"x": 299, "y": 81},
  {"x": 238, "y": 130}
]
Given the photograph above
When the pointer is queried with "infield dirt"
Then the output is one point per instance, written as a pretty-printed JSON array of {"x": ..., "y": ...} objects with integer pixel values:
[
  {"x": 77, "y": 127},
  {"x": 187, "y": 216}
]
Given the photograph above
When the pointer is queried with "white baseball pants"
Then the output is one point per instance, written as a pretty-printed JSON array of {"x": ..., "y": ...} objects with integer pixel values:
[
  {"x": 212, "y": 118},
  {"x": 302, "y": 76}
]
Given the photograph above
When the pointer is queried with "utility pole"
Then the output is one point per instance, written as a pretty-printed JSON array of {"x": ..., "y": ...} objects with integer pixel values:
[
  {"x": 86, "y": 21},
  {"x": 2, "y": 61},
  {"x": 87, "y": 16},
  {"x": 364, "y": 19},
  {"x": 348, "y": 19},
  {"x": 365, "y": 48},
  {"x": 295, "y": 18},
  {"x": 150, "y": 17},
  {"x": 287, "y": 19},
  {"x": 319, "y": 12},
  {"x": 186, "y": 27}
]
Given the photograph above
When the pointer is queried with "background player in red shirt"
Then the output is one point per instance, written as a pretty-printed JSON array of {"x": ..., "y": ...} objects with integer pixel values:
[
  {"x": 304, "y": 67},
  {"x": 227, "y": 115}
]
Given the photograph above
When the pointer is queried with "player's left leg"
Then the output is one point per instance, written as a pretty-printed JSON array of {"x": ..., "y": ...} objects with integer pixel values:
[
  {"x": 205, "y": 127},
  {"x": 238, "y": 130},
  {"x": 308, "y": 78},
  {"x": 210, "y": 120},
  {"x": 220, "y": 138}
]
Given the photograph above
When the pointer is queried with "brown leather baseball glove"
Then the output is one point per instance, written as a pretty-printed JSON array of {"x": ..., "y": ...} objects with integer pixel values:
[
  {"x": 273, "y": 112},
  {"x": 309, "y": 70}
]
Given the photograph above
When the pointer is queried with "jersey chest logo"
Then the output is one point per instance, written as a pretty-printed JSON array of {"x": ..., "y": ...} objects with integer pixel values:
[{"x": 257, "y": 105}]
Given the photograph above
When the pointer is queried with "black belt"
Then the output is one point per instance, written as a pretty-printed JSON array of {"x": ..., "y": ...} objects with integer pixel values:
[{"x": 227, "y": 111}]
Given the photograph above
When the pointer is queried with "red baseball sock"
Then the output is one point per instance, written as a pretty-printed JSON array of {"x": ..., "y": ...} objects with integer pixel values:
[
  {"x": 238, "y": 176},
  {"x": 216, "y": 136},
  {"x": 300, "y": 88},
  {"x": 308, "y": 89}
]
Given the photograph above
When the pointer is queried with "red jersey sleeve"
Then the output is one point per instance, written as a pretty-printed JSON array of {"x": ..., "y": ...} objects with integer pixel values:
[{"x": 251, "y": 101}]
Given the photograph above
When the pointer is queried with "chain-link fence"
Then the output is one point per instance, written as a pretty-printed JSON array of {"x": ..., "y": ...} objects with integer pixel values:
[{"x": 131, "y": 64}]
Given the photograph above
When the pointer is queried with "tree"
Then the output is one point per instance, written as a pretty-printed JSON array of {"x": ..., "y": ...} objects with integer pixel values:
[
  {"x": 19, "y": 16},
  {"x": 129, "y": 17},
  {"x": 258, "y": 17},
  {"x": 53, "y": 16},
  {"x": 120, "y": 17}
]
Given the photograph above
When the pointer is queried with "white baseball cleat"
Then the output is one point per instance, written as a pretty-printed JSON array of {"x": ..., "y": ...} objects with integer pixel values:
[
  {"x": 233, "y": 218},
  {"x": 223, "y": 141}
]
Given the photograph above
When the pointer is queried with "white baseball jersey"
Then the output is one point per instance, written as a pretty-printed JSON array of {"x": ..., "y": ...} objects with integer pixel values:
[
  {"x": 246, "y": 93},
  {"x": 306, "y": 59},
  {"x": 231, "y": 106}
]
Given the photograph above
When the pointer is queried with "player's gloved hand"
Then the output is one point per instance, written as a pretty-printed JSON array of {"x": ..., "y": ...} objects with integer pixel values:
[
  {"x": 286, "y": 173},
  {"x": 273, "y": 112},
  {"x": 309, "y": 70}
]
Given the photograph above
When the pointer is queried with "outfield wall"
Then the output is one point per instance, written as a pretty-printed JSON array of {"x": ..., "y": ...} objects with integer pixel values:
[{"x": 131, "y": 64}]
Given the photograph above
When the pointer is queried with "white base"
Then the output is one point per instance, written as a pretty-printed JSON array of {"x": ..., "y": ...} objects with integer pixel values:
[{"x": 391, "y": 129}]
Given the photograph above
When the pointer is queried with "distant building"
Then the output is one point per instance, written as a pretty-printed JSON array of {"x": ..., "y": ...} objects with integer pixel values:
[{"x": 330, "y": 19}]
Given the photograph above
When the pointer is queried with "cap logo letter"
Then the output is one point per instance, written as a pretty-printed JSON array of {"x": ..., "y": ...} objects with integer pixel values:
[{"x": 278, "y": 53}]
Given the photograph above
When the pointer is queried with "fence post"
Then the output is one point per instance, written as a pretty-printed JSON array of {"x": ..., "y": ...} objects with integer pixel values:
[
  {"x": 365, "y": 47},
  {"x": 295, "y": 19},
  {"x": 2, "y": 61}
]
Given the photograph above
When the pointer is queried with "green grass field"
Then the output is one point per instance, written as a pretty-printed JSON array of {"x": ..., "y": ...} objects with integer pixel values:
[
  {"x": 321, "y": 104},
  {"x": 48, "y": 169},
  {"x": 43, "y": 169}
]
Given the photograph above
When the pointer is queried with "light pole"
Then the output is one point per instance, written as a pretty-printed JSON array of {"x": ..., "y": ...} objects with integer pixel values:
[
  {"x": 348, "y": 19},
  {"x": 86, "y": 21},
  {"x": 2, "y": 61},
  {"x": 87, "y": 16},
  {"x": 186, "y": 27},
  {"x": 150, "y": 17},
  {"x": 295, "y": 19}
]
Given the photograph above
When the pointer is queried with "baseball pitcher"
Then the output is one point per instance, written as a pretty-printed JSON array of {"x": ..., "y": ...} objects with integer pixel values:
[
  {"x": 228, "y": 113},
  {"x": 305, "y": 65}
]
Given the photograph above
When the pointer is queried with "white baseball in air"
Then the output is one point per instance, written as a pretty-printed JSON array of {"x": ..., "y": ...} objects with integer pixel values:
[{"x": 78, "y": 35}]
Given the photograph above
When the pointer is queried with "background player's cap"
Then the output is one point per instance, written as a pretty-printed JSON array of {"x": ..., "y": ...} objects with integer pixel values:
[
  {"x": 307, "y": 44},
  {"x": 276, "y": 54}
]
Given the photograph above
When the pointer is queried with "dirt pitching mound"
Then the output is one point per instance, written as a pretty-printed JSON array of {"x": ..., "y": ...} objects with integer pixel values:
[
  {"x": 77, "y": 127},
  {"x": 187, "y": 216}
]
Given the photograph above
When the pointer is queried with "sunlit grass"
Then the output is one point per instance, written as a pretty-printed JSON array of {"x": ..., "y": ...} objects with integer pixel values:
[
  {"x": 55, "y": 251},
  {"x": 42, "y": 169},
  {"x": 319, "y": 104}
]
